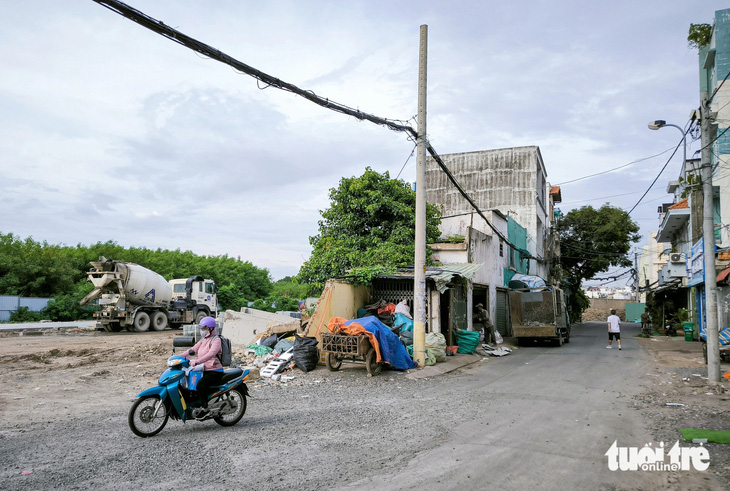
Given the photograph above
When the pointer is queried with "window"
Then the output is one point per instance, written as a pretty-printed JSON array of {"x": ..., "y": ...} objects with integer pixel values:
[
  {"x": 209, "y": 288},
  {"x": 501, "y": 249}
]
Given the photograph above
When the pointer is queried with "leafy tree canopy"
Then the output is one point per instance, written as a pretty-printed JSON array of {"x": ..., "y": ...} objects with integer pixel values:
[
  {"x": 370, "y": 222},
  {"x": 699, "y": 35},
  {"x": 592, "y": 241},
  {"x": 32, "y": 269}
]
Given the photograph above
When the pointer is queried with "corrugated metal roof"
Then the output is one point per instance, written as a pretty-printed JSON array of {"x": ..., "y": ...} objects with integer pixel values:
[{"x": 442, "y": 275}]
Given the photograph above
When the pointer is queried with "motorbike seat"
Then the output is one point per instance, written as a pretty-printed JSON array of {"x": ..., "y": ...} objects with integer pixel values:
[{"x": 230, "y": 374}]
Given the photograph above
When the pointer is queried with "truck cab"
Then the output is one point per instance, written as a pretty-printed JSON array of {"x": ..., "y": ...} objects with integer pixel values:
[{"x": 202, "y": 291}]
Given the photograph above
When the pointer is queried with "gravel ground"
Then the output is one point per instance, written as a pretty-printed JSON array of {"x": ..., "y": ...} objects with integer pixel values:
[
  {"x": 66, "y": 423},
  {"x": 65, "y": 402},
  {"x": 680, "y": 377}
]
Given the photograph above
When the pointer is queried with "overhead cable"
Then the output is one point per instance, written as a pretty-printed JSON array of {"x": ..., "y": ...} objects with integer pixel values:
[{"x": 197, "y": 46}]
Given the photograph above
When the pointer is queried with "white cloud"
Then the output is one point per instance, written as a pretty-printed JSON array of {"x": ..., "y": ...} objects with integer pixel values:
[{"x": 111, "y": 132}]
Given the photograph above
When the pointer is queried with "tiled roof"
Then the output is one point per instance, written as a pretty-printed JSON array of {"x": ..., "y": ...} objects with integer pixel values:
[{"x": 680, "y": 205}]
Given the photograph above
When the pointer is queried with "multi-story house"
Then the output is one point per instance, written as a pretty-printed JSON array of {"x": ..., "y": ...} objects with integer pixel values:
[{"x": 510, "y": 187}]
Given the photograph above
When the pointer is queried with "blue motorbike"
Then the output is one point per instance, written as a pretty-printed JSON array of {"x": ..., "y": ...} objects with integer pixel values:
[{"x": 175, "y": 398}]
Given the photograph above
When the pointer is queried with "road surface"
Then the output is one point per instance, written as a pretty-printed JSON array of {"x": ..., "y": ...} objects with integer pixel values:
[{"x": 542, "y": 417}]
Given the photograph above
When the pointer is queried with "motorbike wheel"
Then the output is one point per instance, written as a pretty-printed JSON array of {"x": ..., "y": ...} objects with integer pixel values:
[
  {"x": 142, "y": 419},
  {"x": 230, "y": 419}
]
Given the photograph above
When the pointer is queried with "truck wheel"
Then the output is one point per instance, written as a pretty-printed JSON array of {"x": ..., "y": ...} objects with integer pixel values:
[
  {"x": 159, "y": 321},
  {"x": 704, "y": 351},
  {"x": 560, "y": 340},
  {"x": 141, "y": 322},
  {"x": 199, "y": 317},
  {"x": 567, "y": 337},
  {"x": 113, "y": 327}
]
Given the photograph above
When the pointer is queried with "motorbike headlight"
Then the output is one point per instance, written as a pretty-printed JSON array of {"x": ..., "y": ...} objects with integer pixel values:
[{"x": 174, "y": 361}]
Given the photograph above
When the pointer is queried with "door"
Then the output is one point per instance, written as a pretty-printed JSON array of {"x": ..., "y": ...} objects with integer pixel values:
[{"x": 504, "y": 323}]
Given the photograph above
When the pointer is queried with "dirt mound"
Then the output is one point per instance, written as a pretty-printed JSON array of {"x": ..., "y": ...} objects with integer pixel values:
[{"x": 601, "y": 314}]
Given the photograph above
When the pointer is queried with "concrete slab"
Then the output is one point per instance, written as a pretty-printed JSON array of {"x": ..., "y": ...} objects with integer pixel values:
[{"x": 452, "y": 363}]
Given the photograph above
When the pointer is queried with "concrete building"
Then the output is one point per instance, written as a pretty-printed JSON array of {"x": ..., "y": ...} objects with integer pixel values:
[
  {"x": 653, "y": 257},
  {"x": 681, "y": 281},
  {"x": 511, "y": 180},
  {"x": 509, "y": 186}
]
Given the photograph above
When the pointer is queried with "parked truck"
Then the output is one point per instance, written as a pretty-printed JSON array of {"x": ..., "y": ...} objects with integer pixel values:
[
  {"x": 539, "y": 315},
  {"x": 133, "y": 297}
]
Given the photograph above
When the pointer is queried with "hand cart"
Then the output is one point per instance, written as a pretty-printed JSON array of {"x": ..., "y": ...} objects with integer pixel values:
[{"x": 340, "y": 347}]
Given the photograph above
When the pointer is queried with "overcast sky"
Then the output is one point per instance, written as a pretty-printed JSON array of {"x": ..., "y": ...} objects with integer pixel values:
[{"x": 112, "y": 132}]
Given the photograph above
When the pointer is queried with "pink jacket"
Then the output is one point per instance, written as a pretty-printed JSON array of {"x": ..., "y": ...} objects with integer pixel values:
[{"x": 207, "y": 353}]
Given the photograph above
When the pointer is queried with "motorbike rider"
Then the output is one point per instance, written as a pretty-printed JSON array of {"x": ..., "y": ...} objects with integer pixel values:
[{"x": 207, "y": 350}]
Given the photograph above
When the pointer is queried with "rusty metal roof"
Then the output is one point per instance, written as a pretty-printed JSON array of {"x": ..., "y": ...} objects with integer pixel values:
[{"x": 441, "y": 275}]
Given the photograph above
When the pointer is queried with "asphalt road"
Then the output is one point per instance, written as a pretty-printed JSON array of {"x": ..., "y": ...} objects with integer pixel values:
[{"x": 542, "y": 417}]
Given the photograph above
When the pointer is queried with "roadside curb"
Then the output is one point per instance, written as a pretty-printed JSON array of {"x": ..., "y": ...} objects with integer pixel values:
[{"x": 452, "y": 363}]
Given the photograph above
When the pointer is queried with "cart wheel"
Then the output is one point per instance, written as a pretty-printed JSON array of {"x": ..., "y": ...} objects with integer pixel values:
[
  {"x": 371, "y": 363},
  {"x": 333, "y": 363}
]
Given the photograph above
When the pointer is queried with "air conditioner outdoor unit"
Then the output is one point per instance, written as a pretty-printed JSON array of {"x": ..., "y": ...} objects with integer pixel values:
[{"x": 676, "y": 258}]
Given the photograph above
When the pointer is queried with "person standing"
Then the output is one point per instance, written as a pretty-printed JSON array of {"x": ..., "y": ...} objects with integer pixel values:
[
  {"x": 614, "y": 329},
  {"x": 482, "y": 317}
]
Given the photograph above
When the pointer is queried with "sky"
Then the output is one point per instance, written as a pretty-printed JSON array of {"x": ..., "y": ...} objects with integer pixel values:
[{"x": 112, "y": 132}]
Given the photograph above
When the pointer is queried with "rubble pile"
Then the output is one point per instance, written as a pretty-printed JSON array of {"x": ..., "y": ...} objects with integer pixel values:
[{"x": 601, "y": 314}]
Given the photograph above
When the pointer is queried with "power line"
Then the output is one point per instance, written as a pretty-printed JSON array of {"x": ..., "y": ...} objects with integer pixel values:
[
  {"x": 614, "y": 169},
  {"x": 202, "y": 48},
  {"x": 657, "y": 177}
]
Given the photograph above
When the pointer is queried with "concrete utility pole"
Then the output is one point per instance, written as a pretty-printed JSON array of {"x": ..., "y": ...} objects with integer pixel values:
[
  {"x": 708, "y": 232},
  {"x": 419, "y": 265},
  {"x": 636, "y": 280}
]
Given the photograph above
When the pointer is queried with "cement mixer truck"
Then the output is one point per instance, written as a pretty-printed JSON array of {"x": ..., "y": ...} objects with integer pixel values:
[{"x": 133, "y": 297}]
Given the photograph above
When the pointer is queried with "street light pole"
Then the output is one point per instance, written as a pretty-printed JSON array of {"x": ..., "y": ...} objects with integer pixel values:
[
  {"x": 708, "y": 229},
  {"x": 655, "y": 125}
]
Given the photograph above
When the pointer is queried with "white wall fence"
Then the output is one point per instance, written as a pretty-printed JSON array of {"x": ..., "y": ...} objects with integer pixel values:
[{"x": 11, "y": 303}]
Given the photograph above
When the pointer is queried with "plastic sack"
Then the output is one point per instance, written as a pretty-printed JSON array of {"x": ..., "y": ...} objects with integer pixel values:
[
  {"x": 259, "y": 349},
  {"x": 430, "y": 358},
  {"x": 436, "y": 344},
  {"x": 468, "y": 341},
  {"x": 269, "y": 342},
  {"x": 283, "y": 345},
  {"x": 406, "y": 337},
  {"x": 305, "y": 354},
  {"x": 498, "y": 337},
  {"x": 405, "y": 323},
  {"x": 403, "y": 308}
]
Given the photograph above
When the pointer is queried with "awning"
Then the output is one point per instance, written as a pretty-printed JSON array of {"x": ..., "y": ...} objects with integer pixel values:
[
  {"x": 526, "y": 281},
  {"x": 723, "y": 275}
]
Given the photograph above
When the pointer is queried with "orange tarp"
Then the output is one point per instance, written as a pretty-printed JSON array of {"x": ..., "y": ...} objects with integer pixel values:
[{"x": 337, "y": 325}]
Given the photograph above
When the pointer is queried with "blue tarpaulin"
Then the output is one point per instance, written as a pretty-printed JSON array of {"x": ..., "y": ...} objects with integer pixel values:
[{"x": 392, "y": 350}]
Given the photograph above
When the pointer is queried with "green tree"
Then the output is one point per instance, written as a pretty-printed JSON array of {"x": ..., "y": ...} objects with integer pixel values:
[
  {"x": 370, "y": 222},
  {"x": 592, "y": 241},
  {"x": 699, "y": 35}
]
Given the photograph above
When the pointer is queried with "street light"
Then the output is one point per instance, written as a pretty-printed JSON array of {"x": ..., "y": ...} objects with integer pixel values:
[{"x": 660, "y": 123}]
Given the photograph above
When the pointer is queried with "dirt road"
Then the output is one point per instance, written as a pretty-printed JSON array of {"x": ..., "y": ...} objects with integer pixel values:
[{"x": 542, "y": 416}]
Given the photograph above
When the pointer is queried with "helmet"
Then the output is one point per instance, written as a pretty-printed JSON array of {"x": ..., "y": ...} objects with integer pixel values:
[{"x": 207, "y": 323}]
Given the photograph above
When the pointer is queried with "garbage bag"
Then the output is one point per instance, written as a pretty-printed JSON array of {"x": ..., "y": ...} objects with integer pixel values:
[
  {"x": 430, "y": 358},
  {"x": 283, "y": 345},
  {"x": 270, "y": 342},
  {"x": 468, "y": 341},
  {"x": 259, "y": 349},
  {"x": 405, "y": 323},
  {"x": 305, "y": 354},
  {"x": 406, "y": 337},
  {"x": 436, "y": 344}
]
